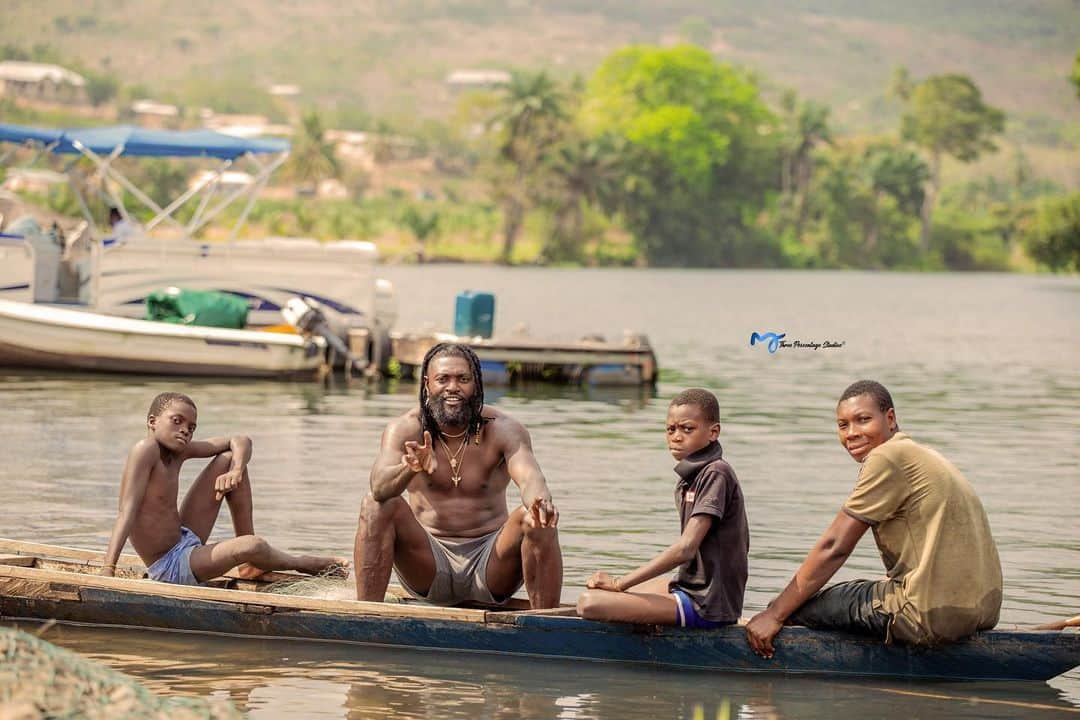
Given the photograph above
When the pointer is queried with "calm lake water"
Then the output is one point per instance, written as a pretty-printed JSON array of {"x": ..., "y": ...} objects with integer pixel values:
[{"x": 985, "y": 368}]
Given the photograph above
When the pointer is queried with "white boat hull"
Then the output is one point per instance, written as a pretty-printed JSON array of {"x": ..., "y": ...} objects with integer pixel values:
[{"x": 47, "y": 336}]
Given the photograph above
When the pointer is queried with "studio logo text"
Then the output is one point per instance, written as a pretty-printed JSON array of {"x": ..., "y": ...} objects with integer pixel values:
[{"x": 776, "y": 341}]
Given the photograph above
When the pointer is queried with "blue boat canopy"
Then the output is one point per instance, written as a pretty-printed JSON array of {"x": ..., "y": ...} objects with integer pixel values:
[{"x": 141, "y": 142}]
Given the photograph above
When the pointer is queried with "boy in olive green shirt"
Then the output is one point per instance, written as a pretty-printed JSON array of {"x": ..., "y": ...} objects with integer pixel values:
[{"x": 943, "y": 572}]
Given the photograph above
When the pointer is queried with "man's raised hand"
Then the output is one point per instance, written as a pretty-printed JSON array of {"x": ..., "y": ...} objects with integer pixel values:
[
  {"x": 420, "y": 457},
  {"x": 542, "y": 513}
]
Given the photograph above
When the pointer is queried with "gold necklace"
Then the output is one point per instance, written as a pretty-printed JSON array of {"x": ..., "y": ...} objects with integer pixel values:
[{"x": 456, "y": 458}]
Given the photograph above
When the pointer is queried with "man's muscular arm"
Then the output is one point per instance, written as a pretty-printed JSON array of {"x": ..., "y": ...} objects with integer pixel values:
[
  {"x": 526, "y": 473},
  {"x": 136, "y": 478},
  {"x": 400, "y": 458}
]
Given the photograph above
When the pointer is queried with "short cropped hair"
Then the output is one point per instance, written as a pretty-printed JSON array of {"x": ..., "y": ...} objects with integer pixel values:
[
  {"x": 702, "y": 399},
  {"x": 158, "y": 405},
  {"x": 872, "y": 388}
]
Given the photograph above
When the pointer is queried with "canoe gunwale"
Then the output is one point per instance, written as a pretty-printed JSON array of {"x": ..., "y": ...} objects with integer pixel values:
[{"x": 78, "y": 597}]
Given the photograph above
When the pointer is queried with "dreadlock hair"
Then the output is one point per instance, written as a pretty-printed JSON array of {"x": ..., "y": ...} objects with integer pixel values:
[
  {"x": 158, "y": 405},
  {"x": 875, "y": 390},
  {"x": 702, "y": 399},
  {"x": 476, "y": 402}
]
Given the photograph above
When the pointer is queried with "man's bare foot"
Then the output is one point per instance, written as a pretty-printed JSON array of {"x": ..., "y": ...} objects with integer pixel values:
[{"x": 247, "y": 571}]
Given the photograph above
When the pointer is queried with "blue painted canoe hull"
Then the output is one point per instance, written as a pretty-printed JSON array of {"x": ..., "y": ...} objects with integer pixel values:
[{"x": 993, "y": 655}]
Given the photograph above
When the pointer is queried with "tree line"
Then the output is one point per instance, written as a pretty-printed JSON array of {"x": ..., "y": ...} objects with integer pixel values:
[{"x": 684, "y": 153}]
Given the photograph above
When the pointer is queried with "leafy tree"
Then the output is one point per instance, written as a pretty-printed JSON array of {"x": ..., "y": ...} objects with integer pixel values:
[
  {"x": 579, "y": 173},
  {"x": 530, "y": 115},
  {"x": 806, "y": 126},
  {"x": 699, "y": 159},
  {"x": 863, "y": 207},
  {"x": 422, "y": 224},
  {"x": 1076, "y": 74},
  {"x": 312, "y": 157},
  {"x": 946, "y": 115},
  {"x": 100, "y": 87},
  {"x": 1053, "y": 234}
]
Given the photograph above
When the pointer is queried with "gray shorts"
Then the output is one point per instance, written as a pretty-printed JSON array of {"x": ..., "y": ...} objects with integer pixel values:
[
  {"x": 460, "y": 571},
  {"x": 175, "y": 566},
  {"x": 847, "y": 606}
]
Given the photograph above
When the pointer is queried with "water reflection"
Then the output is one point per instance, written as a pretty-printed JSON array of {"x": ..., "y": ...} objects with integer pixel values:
[{"x": 274, "y": 679}]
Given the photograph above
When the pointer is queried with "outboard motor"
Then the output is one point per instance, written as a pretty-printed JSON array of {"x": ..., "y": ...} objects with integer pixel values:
[{"x": 309, "y": 316}]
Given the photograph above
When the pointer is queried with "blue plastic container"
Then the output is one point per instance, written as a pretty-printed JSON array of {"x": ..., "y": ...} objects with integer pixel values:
[{"x": 474, "y": 314}]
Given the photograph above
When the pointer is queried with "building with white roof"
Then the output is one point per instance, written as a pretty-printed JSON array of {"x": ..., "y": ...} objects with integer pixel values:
[
  {"x": 41, "y": 81},
  {"x": 477, "y": 79}
]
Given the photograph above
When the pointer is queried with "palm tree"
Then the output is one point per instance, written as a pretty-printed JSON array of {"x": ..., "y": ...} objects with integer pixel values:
[
  {"x": 807, "y": 127},
  {"x": 581, "y": 172},
  {"x": 531, "y": 113},
  {"x": 312, "y": 157}
]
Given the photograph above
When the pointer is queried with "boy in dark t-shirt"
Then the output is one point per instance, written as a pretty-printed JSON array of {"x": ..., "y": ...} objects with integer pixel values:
[{"x": 711, "y": 552}]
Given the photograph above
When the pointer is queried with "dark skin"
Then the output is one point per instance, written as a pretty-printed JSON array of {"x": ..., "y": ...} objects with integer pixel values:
[
  {"x": 609, "y": 598},
  {"x": 149, "y": 517},
  {"x": 392, "y": 530},
  {"x": 861, "y": 427}
]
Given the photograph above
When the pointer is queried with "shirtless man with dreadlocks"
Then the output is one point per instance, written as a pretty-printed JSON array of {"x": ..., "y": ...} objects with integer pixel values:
[{"x": 454, "y": 540}]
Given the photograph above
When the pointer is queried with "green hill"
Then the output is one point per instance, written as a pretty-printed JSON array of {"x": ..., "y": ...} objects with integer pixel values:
[{"x": 389, "y": 58}]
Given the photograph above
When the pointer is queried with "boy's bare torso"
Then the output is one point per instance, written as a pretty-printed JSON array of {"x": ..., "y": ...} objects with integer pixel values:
[
  {"x": 475, "y": 507},
  {"x": 157, "y": 522}
]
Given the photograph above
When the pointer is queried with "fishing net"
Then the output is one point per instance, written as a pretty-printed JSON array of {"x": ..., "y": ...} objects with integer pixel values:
[
  {"x": 40, "y": 680},
  {"x": 324, "y": 588}
]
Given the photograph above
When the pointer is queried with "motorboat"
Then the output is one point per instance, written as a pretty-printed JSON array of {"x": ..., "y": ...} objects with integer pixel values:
[{"x": 91, "y": 270}]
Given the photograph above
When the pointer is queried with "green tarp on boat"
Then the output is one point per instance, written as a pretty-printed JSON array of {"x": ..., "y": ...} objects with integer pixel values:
[{"x": 197, "y": 307}]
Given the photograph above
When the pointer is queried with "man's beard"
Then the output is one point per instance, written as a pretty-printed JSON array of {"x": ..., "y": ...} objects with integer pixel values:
[{"x": 458, "y": 416}]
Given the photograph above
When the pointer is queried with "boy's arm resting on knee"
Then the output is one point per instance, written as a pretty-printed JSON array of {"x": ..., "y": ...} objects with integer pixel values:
[
  {"x": 681, "y": 551},
  {"x": 136, "y": 478},
  {"x": 827, "y": 556},
  {"x": 240, "y": 446}
]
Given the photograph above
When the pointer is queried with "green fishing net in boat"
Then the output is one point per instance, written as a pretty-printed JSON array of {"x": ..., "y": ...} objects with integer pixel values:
[
  {"x": 40, "y": 680},
  {"x": 197, "y": 307}
]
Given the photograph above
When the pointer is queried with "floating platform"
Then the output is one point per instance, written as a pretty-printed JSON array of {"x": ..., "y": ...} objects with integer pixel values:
[{"x": 589, "y": 361}]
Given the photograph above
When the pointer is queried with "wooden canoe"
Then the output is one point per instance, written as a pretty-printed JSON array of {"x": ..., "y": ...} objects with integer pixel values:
[{"x": 57, "y": 583}]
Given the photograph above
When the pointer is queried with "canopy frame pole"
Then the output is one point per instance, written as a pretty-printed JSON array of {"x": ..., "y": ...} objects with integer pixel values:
[
  {"x": 125, "y": 183},
  {"x": 87, "y": 215},
  {"x": 256, "y": 187},
  {"x": 103, "y": 174},
  {"x": 192, "y": 191},
  {"x": 210, "y": 188}
]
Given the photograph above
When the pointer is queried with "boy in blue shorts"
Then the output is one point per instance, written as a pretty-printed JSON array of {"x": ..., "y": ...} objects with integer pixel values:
[
  {"x": 710, "y": 554},
  {"x": 174, "y": 542}
]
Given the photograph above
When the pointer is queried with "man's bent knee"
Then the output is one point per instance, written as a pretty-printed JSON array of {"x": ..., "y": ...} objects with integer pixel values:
[
  {"x": 529, "y": 531},
  {"x": 375, "y": 515},
  {"x": 542, "y": 536}
]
